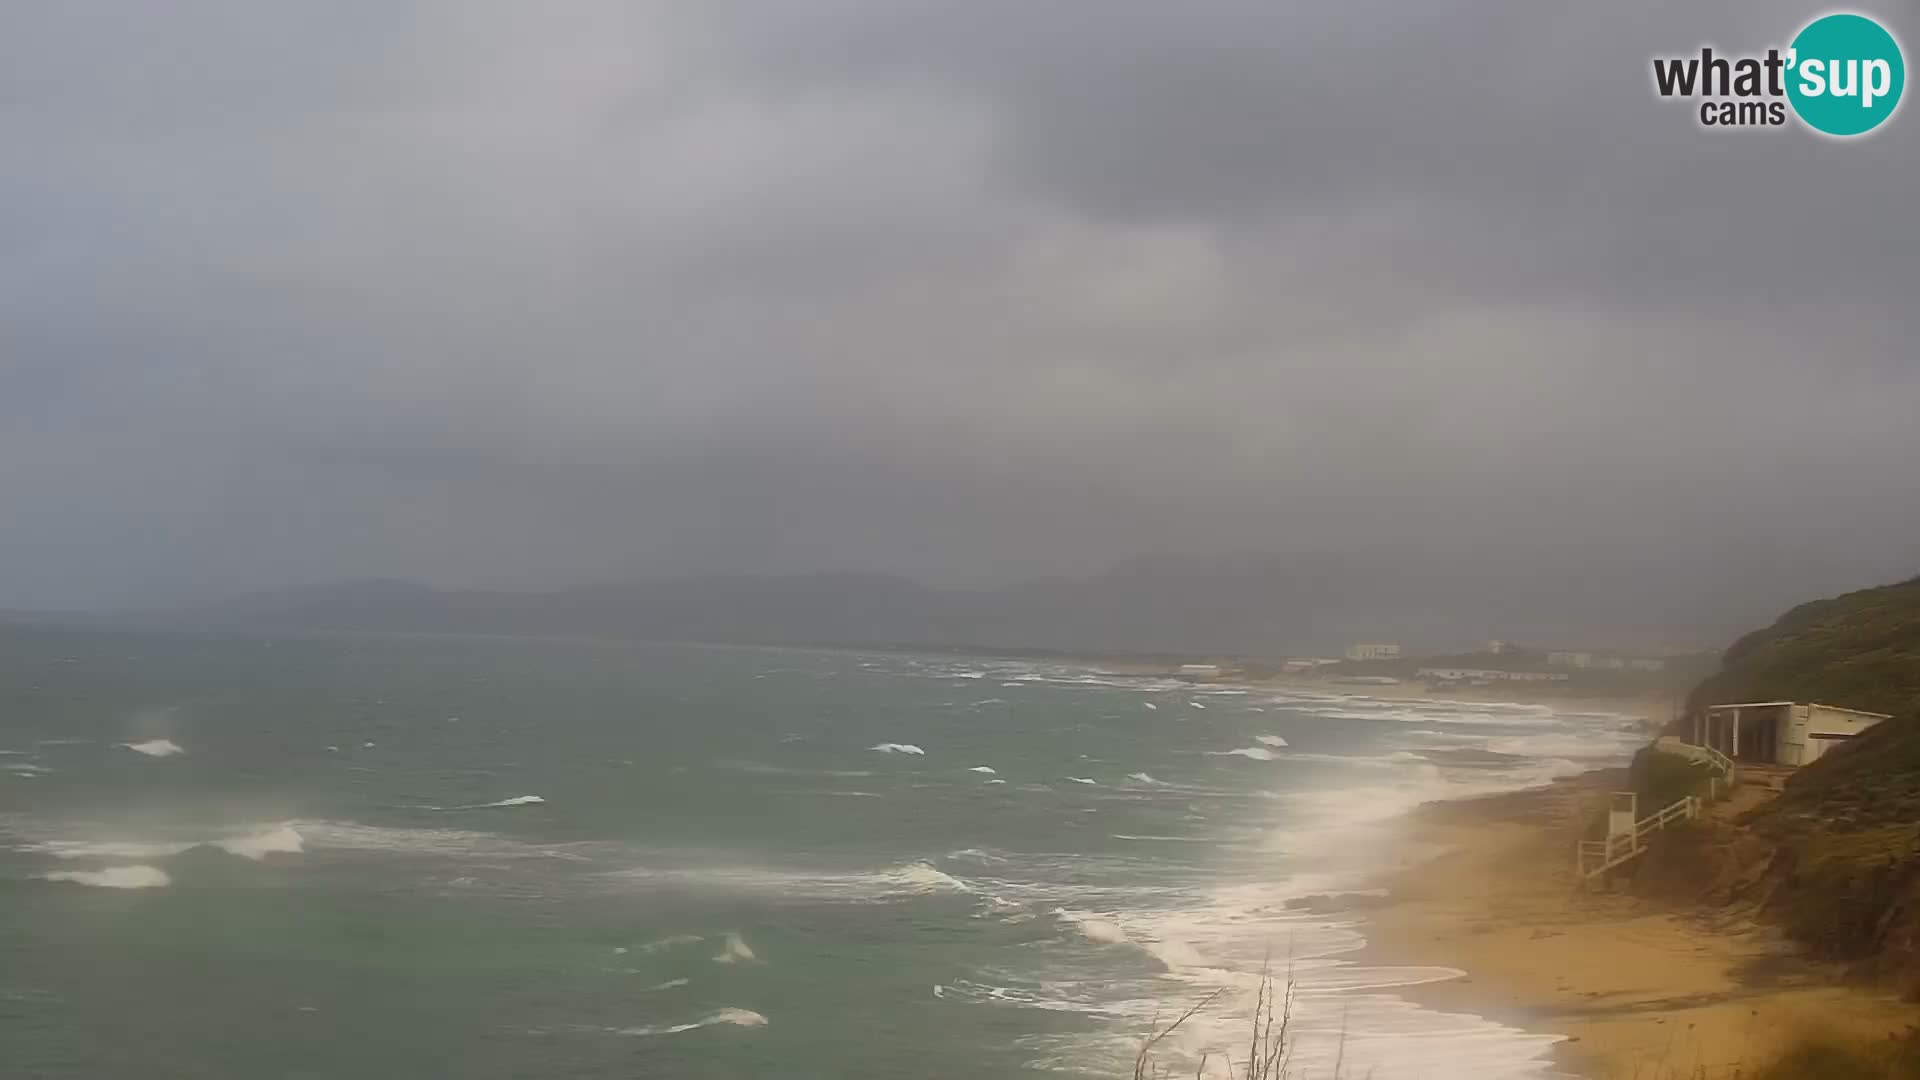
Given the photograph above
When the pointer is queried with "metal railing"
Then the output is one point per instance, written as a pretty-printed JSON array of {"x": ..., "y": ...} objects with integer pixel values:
[
  {"x": 1596, "y": 857},
  {"x": 1705, "y": 755}
]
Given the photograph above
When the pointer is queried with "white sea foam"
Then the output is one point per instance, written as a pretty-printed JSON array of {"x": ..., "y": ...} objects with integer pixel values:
[
  {"x": 1270, "y": 740},
  {"x": 156, "y": 747},
  {"x": 1101, "y": 931},
  {"x": 1150, "y": 705},
  {"x": 115, "y": 877},
  {"x": 258, "y": 845},
  {"x": 674, "y": 941},
  {"x": 736, "y": 1017},
  {"x": 890, "y": 883},
  {"x": 1196, "y": 705},
  {"x": 897, "y": 748},
  {"x": 735, "y": 950},
  {"x": 111, "y": 849},
  {"x": 670, "y": 984},
  {"x": 983, "y": 769},
  {"x": 1082, "y": 780},
  {"x": 517, "y": 800},
  {"x": 1144, "y": 778},
  {"x": 1257, "y": 753}
]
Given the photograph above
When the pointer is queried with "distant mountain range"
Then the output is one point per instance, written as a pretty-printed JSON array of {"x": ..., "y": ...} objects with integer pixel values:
[{"x": 1247, "y": 605}]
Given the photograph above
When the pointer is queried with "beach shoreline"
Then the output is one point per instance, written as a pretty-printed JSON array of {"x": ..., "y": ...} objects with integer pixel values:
[{"x": 1638, "y": 989}]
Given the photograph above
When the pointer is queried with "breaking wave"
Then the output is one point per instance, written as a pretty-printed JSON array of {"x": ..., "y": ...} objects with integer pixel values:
[
  {"x": 517, "y": 800},
  {"x": 156, "y": 747},
  {"x": 257, "y": 846},
  {"x": 115, "y": 877},
  {"x": 735, "y": 950},
  {"x": 736, "y": 1017}
]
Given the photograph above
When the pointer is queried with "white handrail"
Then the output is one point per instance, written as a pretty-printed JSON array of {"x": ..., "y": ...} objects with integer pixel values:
[{"x": 1615, "y": 850}]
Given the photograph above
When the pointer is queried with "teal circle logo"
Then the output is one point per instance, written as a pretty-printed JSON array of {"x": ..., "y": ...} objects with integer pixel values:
[{"x": 1845, "y": 74}]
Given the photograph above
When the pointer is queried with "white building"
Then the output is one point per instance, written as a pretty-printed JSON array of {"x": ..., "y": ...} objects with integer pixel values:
[
  {"x": 1455, "y": 674},
  {"x": 1373, "y": 652},
  {"x": 1580, "y": 658},
  {"x": 1779, "y": 732}
]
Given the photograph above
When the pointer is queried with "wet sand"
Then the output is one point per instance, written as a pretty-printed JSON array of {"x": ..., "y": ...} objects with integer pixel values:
[{"x": 1640, "y": 990}]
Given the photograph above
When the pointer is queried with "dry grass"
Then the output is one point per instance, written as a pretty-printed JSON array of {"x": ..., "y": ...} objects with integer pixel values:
[{"x": 1269, "y": 1049}]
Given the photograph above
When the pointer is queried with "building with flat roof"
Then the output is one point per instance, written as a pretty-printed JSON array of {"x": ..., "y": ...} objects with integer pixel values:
[
  {"x": 1461, "y": 674},
  {"x": 1778, "y": 732},
  {"x": 1373, "y": 651}
]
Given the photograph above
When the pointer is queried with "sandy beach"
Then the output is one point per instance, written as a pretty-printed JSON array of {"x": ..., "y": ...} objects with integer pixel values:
[{"x": 1641, "y": 991}]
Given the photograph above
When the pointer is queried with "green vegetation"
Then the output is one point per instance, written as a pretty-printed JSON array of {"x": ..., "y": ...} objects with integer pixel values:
[
  {"x": 1858, "y": 651},
  {"x": 1843, "y": 870},
  {"x": 1835, "y": 859}
]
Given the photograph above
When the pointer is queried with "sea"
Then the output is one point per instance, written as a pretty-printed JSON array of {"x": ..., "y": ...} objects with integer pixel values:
[{"x": 242, "y": 856}]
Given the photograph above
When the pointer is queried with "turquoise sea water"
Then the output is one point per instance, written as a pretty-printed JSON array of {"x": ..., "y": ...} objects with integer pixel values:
[{"x": 227, "y": 857}]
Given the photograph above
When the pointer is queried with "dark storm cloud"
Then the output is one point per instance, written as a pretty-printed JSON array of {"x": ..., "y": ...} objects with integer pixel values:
[{"x": 496, "y": 294}]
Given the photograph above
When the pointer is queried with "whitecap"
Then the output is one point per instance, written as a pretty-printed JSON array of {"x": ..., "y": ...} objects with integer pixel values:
[
  {"x": 673, "y": 941},
  {"x": 517, "y": 800},
  {"x": 156, "y": 747},
  {"x": 115, "y": 877},
  {"x": 1257, "y": 753},
  {"x": 1151, "y": 706},
  {"x": 111, "y": 849},
  {"x": 1097, "y": 930},
  {"x": 736, "y": 1017},
  {"x": 1082, "y": 780},
  {"x": 736, "y": 951},
  {"x": 897, "y": 748},
  {"x": 1144, "y": 778},
  {"x": 983, "y": 769},
  {"x": 1270, "y": 740},
  {"x": 258, "y": 845},
  {"x": 670, "y": 984}
]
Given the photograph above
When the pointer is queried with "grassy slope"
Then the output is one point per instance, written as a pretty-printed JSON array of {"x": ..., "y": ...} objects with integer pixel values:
[
  {"x": 1835, "y": 860},
  {"x": 1860, "y": 651}
]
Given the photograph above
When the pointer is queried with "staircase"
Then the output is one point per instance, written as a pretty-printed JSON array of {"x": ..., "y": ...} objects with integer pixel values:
[{"x": 1596, "y": 857}]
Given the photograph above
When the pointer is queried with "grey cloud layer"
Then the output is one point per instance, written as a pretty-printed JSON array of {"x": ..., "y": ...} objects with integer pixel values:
[{"x": 489, "y": 294}]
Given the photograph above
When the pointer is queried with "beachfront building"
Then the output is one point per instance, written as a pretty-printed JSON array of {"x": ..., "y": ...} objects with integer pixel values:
[
  {"x": 1580, "y": 658},
  {"x": 1459, "y": 674},
  {"x": 1778, "y": 732},
  {"x": 1373, "y": 651}
]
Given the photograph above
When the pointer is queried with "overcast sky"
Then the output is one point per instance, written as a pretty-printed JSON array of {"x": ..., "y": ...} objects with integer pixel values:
[{"x": 541, "y": 294}]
